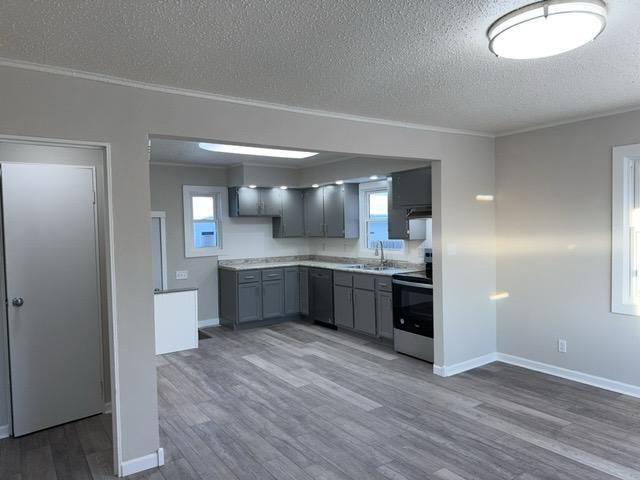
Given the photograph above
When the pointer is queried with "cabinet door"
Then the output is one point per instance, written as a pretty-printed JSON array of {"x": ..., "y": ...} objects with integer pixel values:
[
  {"x": 272, "y": 299},
  {"x": 343, "y": 306},
  {"x": 412, "y": 188},
  {"x": 292, "y": 213},
  {"x": 249, "y": 302},
  {"x": 271, "y": 200},
  {"x": 248, "y": 200},
  {"x": 384, "y": 314},
  {"x": 304, "y": 290},
  {"x": 314, "y": 212},
  {"x": 334, "y": 211},
  {"x": 397, "y": 223},
  {"x": 291, "y": 291},
  {"x": 364, "y": 311}
]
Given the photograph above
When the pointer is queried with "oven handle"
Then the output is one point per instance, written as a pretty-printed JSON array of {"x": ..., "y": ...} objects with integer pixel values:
[{"x": 411, "y": 284}]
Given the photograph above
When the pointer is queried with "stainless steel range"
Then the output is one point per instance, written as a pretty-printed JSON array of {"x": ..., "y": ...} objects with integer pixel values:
[{"x": 413, "y": 314}]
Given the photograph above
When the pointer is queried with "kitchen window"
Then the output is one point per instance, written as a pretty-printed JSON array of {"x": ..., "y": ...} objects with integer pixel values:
[
  {"x": 625, "y": 271},
  {"x": 376, "y": 220},
  {"x": 202, "y": 226}
]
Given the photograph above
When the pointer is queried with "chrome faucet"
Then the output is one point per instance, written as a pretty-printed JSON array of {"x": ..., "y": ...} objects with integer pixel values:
[{"x": 379, "y": 242}]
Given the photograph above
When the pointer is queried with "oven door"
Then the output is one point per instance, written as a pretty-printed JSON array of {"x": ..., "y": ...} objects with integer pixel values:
[{"x": 413, "y": 307}]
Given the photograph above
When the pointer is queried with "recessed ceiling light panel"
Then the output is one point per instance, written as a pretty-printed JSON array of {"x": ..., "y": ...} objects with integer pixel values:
[
  {"x": 547, "y": 28},
  {"x": 257, "y": 151}
]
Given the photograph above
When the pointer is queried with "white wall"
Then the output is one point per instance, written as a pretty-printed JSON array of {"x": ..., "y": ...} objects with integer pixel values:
[
  {"x": 41, "y": 104},
  {"x": 554, "y": 246}
]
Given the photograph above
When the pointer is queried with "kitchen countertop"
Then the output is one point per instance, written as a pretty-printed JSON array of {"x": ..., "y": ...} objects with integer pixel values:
[
  {"x": 343, "y": 267},
  {"x": 174, "y": 290}
]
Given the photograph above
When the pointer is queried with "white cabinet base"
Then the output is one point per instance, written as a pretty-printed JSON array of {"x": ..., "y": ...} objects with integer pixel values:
[{"x": 176, "y": 319}]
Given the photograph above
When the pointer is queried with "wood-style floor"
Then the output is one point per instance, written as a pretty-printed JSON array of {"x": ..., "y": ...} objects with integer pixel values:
[{"x": 301, "y": 402}]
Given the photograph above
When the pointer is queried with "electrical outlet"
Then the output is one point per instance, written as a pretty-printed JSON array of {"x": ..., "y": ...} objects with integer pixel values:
[
  {"x": 562, "y": 345},
  {"x": 182, "y": 274}
]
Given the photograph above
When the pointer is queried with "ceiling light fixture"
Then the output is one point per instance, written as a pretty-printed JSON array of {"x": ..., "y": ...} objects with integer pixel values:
[
  {"x": 257, "y": 151},
  {"x": 373, "y": 177},
  {"x": 484, "y": 198},
  {"x": 315, "y": 185},
  {"x": 252, "y": 186},
  {"x": 283, "y": 187},
  {"x": 339, "y": 182},
  {"x": 547, "y": 28},
  {"x": 499, "y": 295}
]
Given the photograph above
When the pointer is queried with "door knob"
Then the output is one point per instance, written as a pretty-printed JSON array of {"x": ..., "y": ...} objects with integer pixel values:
[{"x": 17, "y": 302}]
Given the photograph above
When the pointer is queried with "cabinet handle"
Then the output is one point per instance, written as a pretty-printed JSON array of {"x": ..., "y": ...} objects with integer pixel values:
[{"x": 249, "y": 276}]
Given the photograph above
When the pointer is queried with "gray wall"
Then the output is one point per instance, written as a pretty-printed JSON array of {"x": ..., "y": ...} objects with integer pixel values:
[
  {"x": 238, "y": 233},
  {"x": 43, "y": 104},
  {"x": 554, "y": 244}
]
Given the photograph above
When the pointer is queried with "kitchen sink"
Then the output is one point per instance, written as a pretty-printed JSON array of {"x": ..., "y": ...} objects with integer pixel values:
[{"x": 375, "y": 268}]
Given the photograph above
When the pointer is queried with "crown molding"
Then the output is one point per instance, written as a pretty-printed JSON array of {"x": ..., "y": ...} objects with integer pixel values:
[
  {"x": 569, "y": 121},
  {"x": 98, "y": 77}
]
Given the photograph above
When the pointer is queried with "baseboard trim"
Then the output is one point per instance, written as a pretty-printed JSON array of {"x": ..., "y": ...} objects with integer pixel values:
[
  {"x": 4, "y": 431},
  {"x": 447, "y": 371},
  {"x": 580, "y": 377},
  {"x": 135, "y": 465},
  {"x": 209, "y": 322}
]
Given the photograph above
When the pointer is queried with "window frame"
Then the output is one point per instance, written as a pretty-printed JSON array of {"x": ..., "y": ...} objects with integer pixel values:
[
  {"x": 625, "y": 297},
  {"x": 365, "y": 190},
  {"x": 218, "y": 194}
]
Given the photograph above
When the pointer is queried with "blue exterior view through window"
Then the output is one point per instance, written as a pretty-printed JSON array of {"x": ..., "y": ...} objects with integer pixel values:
[
  {"x": 377, "y": 222},
  {"x": 205, "y": 231}
]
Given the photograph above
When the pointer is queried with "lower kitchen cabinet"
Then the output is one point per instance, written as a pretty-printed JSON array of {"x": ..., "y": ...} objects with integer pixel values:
[
  {"x": 272, "y": 299},
  {"x": 363, "y": 303},
  {"x": 384, "y": 314},
  {"x": 256, "y": 295},
  {"x": 343, "y": 306},
  {"x": 249, "y": 302},
  {"x": 291, "y": 290},
  {"x": 304, "y": 290},
  {"x": 364, "y": 311}
]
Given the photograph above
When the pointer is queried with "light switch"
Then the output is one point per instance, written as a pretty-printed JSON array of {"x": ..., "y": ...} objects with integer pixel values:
[{"x": 182, "y": 274}]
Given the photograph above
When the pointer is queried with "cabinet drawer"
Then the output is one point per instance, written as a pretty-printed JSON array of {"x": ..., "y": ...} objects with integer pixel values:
[
  {"x": 364, "y": 282},
  {"x": 249, "y": 276},
  {"x": 272, "y": 274},
  {"x": 343, "y": 278},
  {"x": 383, "y": 284}
]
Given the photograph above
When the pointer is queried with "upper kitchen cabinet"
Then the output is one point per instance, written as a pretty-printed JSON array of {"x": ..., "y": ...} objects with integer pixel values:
[
  {"x": 291, "y": 223},
  {"x": 332, "y": 211},
  {"x": 412, "y": 188},
  {"x": 252, "y": 202},
  {"x": 397, "y": 222}
]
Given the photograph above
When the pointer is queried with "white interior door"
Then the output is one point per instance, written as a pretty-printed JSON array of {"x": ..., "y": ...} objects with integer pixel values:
[{"x": 53, "y": 294}]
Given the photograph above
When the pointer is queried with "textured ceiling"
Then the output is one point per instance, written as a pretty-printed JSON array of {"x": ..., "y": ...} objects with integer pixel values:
[
  {"x": 169, "y": 150},
  {"x": 415, "y": 61}
]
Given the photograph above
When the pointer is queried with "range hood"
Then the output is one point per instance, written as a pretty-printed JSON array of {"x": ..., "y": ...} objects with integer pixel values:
[{"x": 419, "y": 212}]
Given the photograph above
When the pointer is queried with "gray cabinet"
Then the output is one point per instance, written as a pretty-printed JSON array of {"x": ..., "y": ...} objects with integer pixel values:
[
  {"x": 304, "y": 290},
  {"x": 321, "y": 295},
  {"x": 314, "y": 212},
  {"x": 343, "y": 305},
  {"x": 412, "y": 188},
  {"x": 397, "y": 223},
  {"x": 291, "y": 290},
  {"x": 249, "y": 302},
  {"x": 254, "y": 295},
  {"x": 384, "y": 314},
  {"x": 364, "y": 311},
  {"x": 253, "y": 202},
  {"x": 332, "y": 211},
  {"x": 272, "y": 299},
  {"x": 291, "y": 223}
]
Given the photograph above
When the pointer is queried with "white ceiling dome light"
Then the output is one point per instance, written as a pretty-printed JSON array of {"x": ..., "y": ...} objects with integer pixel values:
[{"x": 547, "y": 28}]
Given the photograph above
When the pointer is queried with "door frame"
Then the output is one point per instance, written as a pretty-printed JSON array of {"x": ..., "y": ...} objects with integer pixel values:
[
  {"x": 111, "y": 285},
  {"x": 162, "y": 216}
]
